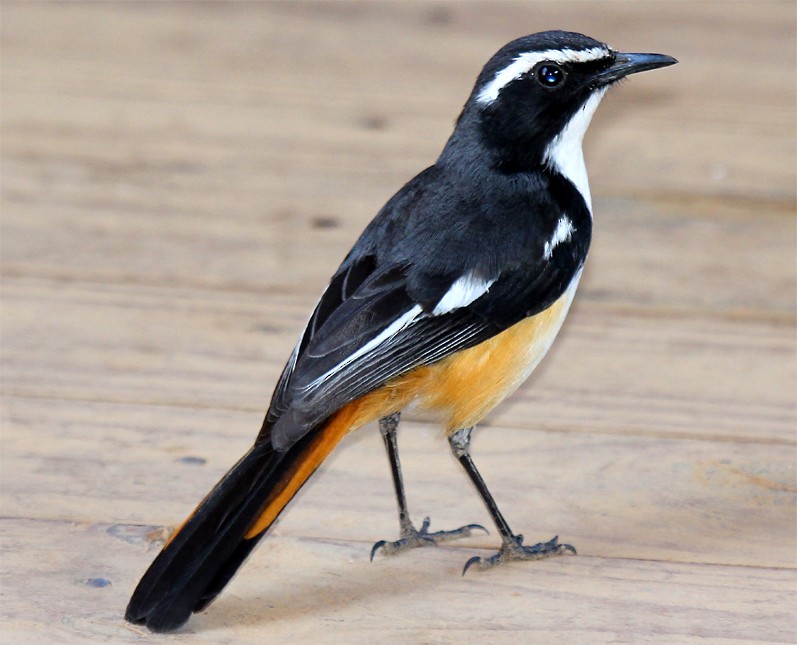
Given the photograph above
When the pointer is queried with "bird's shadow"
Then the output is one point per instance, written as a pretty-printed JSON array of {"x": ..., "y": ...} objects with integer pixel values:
[{"x": 352, "y": 581}]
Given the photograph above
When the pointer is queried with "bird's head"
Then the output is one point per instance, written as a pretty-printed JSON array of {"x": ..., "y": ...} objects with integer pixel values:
[{"x": 544, "y": 88}]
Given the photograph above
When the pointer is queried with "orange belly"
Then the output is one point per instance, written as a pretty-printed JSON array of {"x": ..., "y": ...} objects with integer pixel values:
[
  {"x": 461, "y": 389},
  {"x": 466, "y": 386}
]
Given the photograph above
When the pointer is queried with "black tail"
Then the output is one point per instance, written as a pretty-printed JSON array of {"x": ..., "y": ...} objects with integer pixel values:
[
  {"x": 206, "y": 551},
  {"x": 204, "y": 554}
]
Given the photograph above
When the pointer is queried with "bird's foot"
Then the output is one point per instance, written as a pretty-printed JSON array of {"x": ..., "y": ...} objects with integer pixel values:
[
  {"x": 513, "y": 549},
  {"x": 411, "y": 537}
]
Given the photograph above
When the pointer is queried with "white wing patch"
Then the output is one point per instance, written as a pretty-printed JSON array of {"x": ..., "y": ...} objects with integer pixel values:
[
  {"x": 565, "y": 155},
  {"x": 564, "y": 231},
  {"x": 461, "y": 293},
  {"x": 526, "y": 61},
  {"x": 391, "y": 330}
]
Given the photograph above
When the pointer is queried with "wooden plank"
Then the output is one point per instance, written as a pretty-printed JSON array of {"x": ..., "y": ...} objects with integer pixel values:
[
  {"x": 422, "y": 596},
  {"x": 673, "y": 256},
  {"x": 220, "y": 91},
  {"x": 618, "y": 370},
  {"x": 179, "y": 180},
  {"x": 737, "y": 492}
]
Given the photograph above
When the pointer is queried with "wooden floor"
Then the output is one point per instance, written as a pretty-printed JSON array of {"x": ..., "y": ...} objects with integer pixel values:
[{"x": 180, "y": 180}]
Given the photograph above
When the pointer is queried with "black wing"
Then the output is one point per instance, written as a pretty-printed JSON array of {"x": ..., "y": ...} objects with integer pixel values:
[{"x": 379, "y": 318}]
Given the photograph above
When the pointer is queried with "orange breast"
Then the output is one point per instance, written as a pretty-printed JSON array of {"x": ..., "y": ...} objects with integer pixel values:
[
  {"x": 461, "y": 389},
  {"x": 464, "y": 387}
]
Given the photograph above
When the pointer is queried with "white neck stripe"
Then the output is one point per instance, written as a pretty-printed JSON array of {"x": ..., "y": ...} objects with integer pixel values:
[
  {"x": 565, "y": 155},
  {"x": 524, "y": 62}
]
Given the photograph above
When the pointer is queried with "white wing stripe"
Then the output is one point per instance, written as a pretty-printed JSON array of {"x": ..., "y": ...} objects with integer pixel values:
[
  {"x": 391, "y": 330},
  {"x": 429, "y": 355},
  {"x": 461, "y": 293}
]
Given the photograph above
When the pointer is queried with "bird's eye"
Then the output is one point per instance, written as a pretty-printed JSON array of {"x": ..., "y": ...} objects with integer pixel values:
[{"x": 549, "y": 75}]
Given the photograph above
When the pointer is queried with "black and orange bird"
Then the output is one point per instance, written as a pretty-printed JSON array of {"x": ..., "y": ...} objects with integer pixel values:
[{"x": 449, "y": 300}]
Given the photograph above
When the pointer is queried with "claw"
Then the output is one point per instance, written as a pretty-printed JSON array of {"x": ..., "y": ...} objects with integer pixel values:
[
  {"x": 411, "y": 537},
  {"x": 376, "y": 548},
  {"x": 513, "y": 549},
  {"x": 476, "y": 559},
  {"x": 473, "y": 527}
]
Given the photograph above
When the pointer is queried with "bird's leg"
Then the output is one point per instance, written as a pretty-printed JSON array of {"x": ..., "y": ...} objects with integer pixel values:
[
  {"x": 410, "y": 536},
  {"x": 512, "y": 547}
]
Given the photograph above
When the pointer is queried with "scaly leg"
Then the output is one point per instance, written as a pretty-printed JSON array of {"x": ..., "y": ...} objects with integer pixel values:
[
  {"x": 512, "y": 547},
  {"x": 410, "y": 536}
]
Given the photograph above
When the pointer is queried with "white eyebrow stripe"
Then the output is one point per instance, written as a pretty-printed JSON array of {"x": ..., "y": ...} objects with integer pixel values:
[
  {"x": 463, "y": 291},
  {"x": 564, "y": 231},
  {"x": 524, "y": 62}
]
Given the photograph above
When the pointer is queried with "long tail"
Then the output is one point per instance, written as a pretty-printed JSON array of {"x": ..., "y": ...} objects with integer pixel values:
[{"x": 206, "y": 551}]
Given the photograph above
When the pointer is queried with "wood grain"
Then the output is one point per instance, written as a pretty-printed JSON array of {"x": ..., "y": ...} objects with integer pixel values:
[{"x": 178, "y": 182}]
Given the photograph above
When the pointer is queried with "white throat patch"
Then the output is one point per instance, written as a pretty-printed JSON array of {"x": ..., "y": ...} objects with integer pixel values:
[{"x": 565, "y": 155}]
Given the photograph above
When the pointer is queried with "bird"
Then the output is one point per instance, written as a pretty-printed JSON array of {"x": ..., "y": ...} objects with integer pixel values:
[{"x": 448, "y": 301}]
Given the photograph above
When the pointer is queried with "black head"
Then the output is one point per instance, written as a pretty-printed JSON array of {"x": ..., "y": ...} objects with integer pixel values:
[{"x": 539, "y": 86}]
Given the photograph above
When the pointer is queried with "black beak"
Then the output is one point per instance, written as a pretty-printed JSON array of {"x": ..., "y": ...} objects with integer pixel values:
[{"x": 625, "y": 64}]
